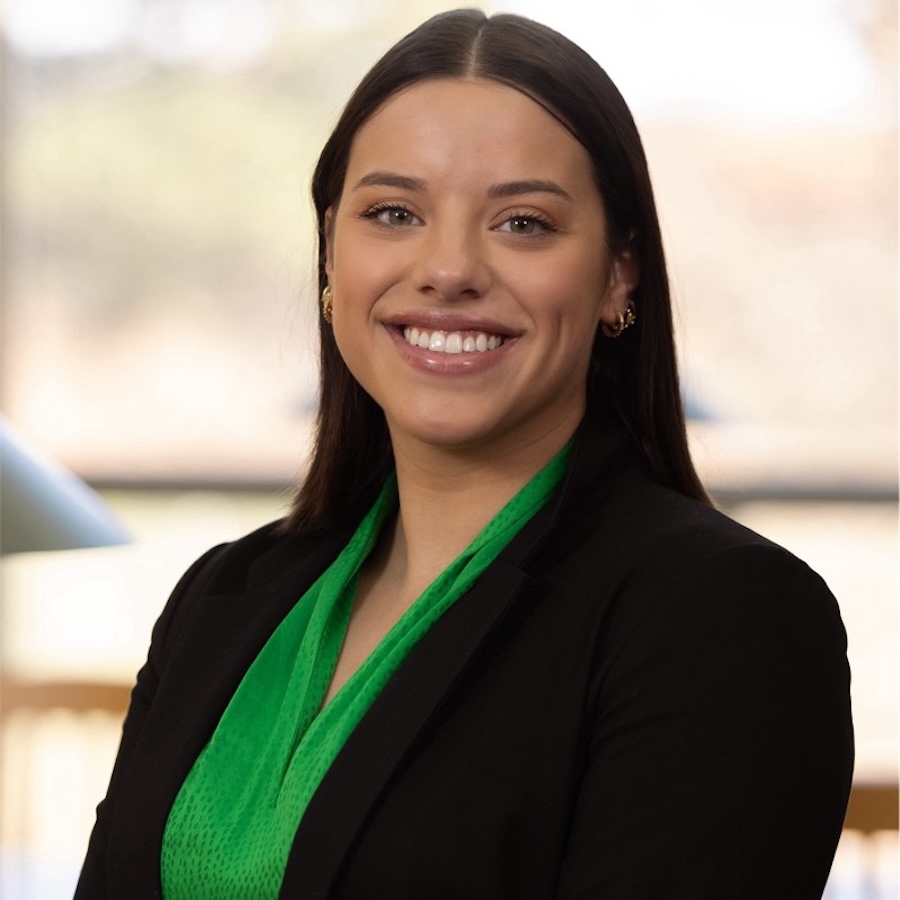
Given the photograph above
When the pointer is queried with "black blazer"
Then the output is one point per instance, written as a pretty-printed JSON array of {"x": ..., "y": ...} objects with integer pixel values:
[{"x": 639, "y": 699}]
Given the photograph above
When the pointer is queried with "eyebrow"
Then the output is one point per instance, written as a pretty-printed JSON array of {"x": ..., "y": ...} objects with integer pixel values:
[
  {"x": 504, "y": 189},
  {"x": 537, "y": 186},
  {"x": 390, "y": 179}
]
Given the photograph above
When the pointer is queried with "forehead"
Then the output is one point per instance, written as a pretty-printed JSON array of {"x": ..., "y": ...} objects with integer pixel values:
[{"x": 470, "y": 125}]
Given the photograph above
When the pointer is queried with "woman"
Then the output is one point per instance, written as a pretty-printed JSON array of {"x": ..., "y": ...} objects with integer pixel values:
[{"x": 503, "y": 646}]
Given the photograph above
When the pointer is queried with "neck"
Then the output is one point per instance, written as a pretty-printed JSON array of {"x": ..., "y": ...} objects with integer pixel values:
[{"x": 448, "y": 495}]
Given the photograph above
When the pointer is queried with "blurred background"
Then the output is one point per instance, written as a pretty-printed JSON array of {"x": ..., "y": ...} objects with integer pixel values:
[{"x": 157, "y": 310}]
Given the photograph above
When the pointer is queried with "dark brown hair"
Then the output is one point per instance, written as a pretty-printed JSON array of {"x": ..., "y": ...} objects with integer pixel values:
[{"x": 636, "y": 374}]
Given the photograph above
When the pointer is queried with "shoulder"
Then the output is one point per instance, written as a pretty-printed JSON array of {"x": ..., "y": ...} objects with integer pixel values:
[
  {"x": 262, "y": 558},
  {"x": 683, "y": 537},
  {"x": 232, "y": 578},
  {"x": 230, "y": 562},
  {"x": 662, "y": 520},
  {"x": 718, "y": 702},
  {"x": 695, "y": 610},
  {"x": 651, "y": 528},
  {"x": 718, "y": 601},
  {"x": 661, "y": 563},
  {"x": 610, "y": 504}
]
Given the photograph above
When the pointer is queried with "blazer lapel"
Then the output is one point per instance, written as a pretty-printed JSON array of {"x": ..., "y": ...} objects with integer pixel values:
[
  {"x": 220, "y": 627},
  {"x": 388, "y": 732},
  {"x": 216, "y": 635}
]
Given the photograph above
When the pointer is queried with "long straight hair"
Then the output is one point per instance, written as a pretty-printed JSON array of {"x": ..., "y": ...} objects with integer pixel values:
[{"x": 636, "y": 374}]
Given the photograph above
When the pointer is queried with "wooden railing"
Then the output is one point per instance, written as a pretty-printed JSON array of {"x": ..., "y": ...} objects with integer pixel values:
[
  {"x": 873, "y": 808},
  {"x": 75, "y": 696}
]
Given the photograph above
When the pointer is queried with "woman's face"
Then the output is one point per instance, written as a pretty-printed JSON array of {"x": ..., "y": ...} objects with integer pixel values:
[{"x": 467, "y": 263}]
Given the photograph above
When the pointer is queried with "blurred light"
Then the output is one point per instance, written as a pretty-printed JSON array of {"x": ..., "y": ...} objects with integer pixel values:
[
  {"x": 64, "y": 28},
  {"x": 220, "y": 32},
  {"x": 777, "y": 61}
]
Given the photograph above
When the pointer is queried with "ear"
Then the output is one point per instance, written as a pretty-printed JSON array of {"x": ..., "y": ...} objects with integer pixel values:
[
  {"x": 623, "y": 279},
  {"x": 328, "y": 225}
]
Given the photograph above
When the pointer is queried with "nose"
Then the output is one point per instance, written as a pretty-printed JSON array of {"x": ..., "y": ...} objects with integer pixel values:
[{"x": 451, "y": 264}]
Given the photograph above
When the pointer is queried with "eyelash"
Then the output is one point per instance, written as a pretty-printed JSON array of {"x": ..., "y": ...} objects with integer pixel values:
[
  {"x": 374, "y": 211},
  {"x": 545, "y": 224}
]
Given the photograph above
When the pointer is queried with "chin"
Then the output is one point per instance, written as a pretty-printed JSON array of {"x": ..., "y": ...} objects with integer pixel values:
[
  {"x": 446, "y": 436},
  {"x": 442, "y": 427}
]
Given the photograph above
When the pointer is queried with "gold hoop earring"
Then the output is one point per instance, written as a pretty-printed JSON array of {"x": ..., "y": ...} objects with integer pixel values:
[
  {"x": 624, "y": 319},
  {"x": 327, "y": 304}
]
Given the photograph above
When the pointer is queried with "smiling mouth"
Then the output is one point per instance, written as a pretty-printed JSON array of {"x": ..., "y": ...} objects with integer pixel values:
[{"x": 452, "y": 341}]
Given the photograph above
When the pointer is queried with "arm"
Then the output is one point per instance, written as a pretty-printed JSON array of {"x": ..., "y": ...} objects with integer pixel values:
[
  {"x": 721, "y": 753},
  {"x": 92, "y": 882}
]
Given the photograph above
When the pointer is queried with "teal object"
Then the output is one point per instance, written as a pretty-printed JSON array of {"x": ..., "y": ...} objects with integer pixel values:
[{"x": 45, "y": 507}]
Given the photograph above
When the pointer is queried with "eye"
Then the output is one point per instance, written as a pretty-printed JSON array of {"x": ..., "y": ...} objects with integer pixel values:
[
  {"x": 526, "y": 224},
  {"x": 392, "y": 215}
]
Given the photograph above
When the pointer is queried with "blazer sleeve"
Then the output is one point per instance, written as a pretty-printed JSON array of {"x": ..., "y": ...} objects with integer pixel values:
[
  {"x": 92, "y": 881},
  {"x": 721, "y": 750}
]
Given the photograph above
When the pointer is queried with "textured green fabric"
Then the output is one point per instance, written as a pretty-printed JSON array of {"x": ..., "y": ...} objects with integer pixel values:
[{"x": 232, "y": 825}]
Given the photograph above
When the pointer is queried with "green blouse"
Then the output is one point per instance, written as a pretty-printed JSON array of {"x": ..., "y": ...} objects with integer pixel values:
[{"x": 231, "y": 827}]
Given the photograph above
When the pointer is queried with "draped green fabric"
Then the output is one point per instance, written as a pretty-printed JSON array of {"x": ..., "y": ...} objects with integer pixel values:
[{"x": 231, "y": 828}]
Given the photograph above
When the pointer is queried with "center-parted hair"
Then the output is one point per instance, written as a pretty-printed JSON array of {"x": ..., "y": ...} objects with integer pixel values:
[{"x": 636, "y": 375}]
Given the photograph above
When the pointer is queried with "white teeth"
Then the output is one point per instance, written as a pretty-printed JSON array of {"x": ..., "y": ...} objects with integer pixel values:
[
  {"x": 453, "y": 341},
  {"x": 453, "y": 344}
]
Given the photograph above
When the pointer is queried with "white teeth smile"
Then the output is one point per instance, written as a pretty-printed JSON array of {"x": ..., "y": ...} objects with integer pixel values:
[{"x": 452, "y": 341}]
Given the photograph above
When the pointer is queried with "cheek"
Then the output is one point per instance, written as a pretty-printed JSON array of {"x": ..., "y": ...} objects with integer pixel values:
[
  {"x": 577, "y": 276},
  {"x": 571, "y": 295},
  {"x": 361, "y": 270}
]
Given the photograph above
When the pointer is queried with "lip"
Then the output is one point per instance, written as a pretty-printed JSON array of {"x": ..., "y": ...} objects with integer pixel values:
[
  {"x": 438, "y": 363},
  {"x": 437, "y": 320}
]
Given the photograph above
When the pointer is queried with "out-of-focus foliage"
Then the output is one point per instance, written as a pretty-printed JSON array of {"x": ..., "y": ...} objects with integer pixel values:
[{"x": 146, "y": 192}]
